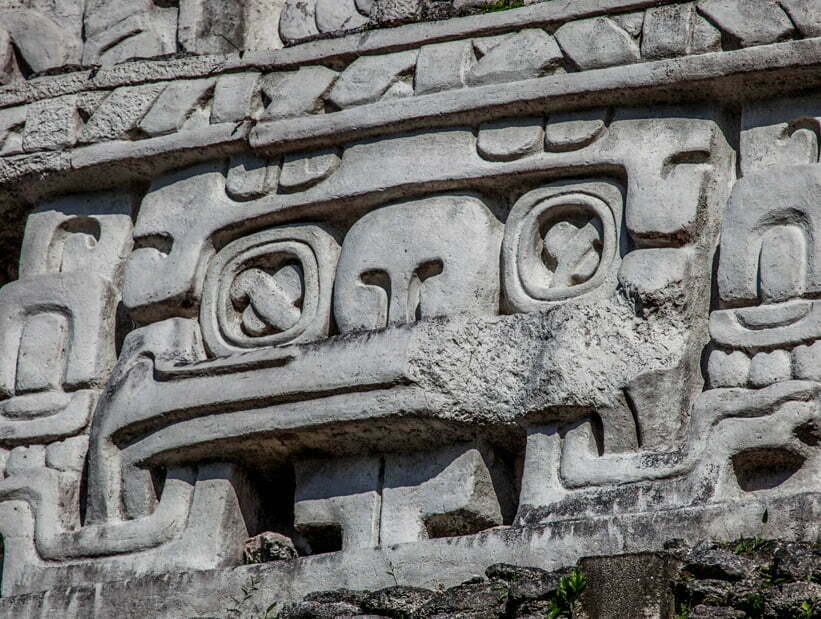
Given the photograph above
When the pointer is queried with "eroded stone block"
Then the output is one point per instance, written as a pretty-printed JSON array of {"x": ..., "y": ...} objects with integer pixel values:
[
  {"x": 728, "y": 369},
  {"x": 752, "y": 22},
  {"x": 805, "y": 14},
  {"x": 767, "y": 368},
  {"x": 120, "y": 30},
  {"x": 527, "y": 54},
  {"x": 295, "y": 93},
  {"x": 369, "y": 77},
  {"x": 234, "y": 97},
  {"x": 668, "y": 31},
  {"x": 443, "y": 66},
  {"x": 338, "y": 15},
  {"x": 806, "y": 360},
  {"x": 48, "y": 36},
  {"x": 51, "y": 124},
  {"x": 67, "y": 455},
  {"x": 120, "y": 112},
  {"x": 21, "y": 460},
  {"x": 298, "y": 20},
  {"x": 597, "y": 42},
  {"x": 178, "y": 102}
]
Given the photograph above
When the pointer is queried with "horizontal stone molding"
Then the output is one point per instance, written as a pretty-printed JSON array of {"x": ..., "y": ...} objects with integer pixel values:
[{"x": 720, "y": 77}]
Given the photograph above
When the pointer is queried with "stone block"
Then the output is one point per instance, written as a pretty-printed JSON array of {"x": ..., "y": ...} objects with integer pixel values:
[
  {"x": 394, "y": 12},
  {"x": 51, "y": 124},
  {"x": 442, "y": 493},
  {"x": 178, "y": 103},
  {"x": 296, "y": 93},
  {"x": 118, "y": 115},
  {"x": 597, "y": 42},
  {"x": 751, "y": 22},
  {"x": 22, "y": 460},
  {"x": 337, "y": 502},
  {"x": 668, "y": 31},
  {"x": 48, "y": 36},
  {"x": 120, "y": 30},
  {"x": 298, "y": 20},
  {"x": 728, "y": 369},
  {"x": 443, "y": 66},
  {"x": 805, "y": 14},
  {"x": 527, "y": 54},
  {"x": 12, "y": 121},
  {"x": 269, "y": 546},
  {"x": 768, "y": 368},
  {"x": 368, "y": 77},
  {"x": 234, "y": 97},
  {"x": 338, "y": 15},
  {"x": 628, "y": 586},
  {"x": 9, "y": 71},
  {"x": 208, "y": 28},
  {"x": 806, "y": 361},
  {"x": 68, "y": 455},
  {"x": 657, "y": 277}
]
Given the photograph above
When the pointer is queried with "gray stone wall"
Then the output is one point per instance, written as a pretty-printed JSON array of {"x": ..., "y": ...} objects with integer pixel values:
[{"x": 402, "y": 299}]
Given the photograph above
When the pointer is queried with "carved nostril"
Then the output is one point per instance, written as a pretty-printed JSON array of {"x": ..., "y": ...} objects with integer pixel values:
[{"x": 423, "y": 272}]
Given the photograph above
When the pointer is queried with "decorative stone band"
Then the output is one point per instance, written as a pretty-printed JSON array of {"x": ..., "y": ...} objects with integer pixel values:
[{"x": 723, "y": 75}]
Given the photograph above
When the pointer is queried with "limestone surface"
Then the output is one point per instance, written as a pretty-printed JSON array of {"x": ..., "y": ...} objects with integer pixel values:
[{"x": 333, "y": 304}]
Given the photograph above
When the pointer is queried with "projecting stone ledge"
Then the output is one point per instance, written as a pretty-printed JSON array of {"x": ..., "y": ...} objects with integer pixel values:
[{"x": 504, "y": 572}]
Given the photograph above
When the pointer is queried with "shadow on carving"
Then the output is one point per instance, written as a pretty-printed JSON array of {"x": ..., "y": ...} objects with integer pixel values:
[{"x": 765, "y": 469}]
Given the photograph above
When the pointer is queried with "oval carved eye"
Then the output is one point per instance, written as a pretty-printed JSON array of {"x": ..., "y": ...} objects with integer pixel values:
[{"x": 560, "y": 243}]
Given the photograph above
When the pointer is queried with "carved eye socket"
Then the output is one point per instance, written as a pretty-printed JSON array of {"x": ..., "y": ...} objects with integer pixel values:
[
  {"x": 270, "y": 288},
  {"x": 560, "y": 243},
  {"x": 269, "y": 298}
]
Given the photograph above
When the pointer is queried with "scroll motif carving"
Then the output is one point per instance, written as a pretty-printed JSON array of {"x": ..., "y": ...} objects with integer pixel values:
[{"x": 270, "y": 288}]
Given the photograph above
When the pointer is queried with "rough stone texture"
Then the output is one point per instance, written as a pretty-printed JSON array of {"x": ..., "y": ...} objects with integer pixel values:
[
  {"x": 380, "y": 309},
  {"x": 752, "y": 22},
  {"x": 269, "y": 546}
]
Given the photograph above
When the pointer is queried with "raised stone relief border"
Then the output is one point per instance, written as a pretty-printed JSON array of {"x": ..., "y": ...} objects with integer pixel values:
[{"x": 198, "y": 128}]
